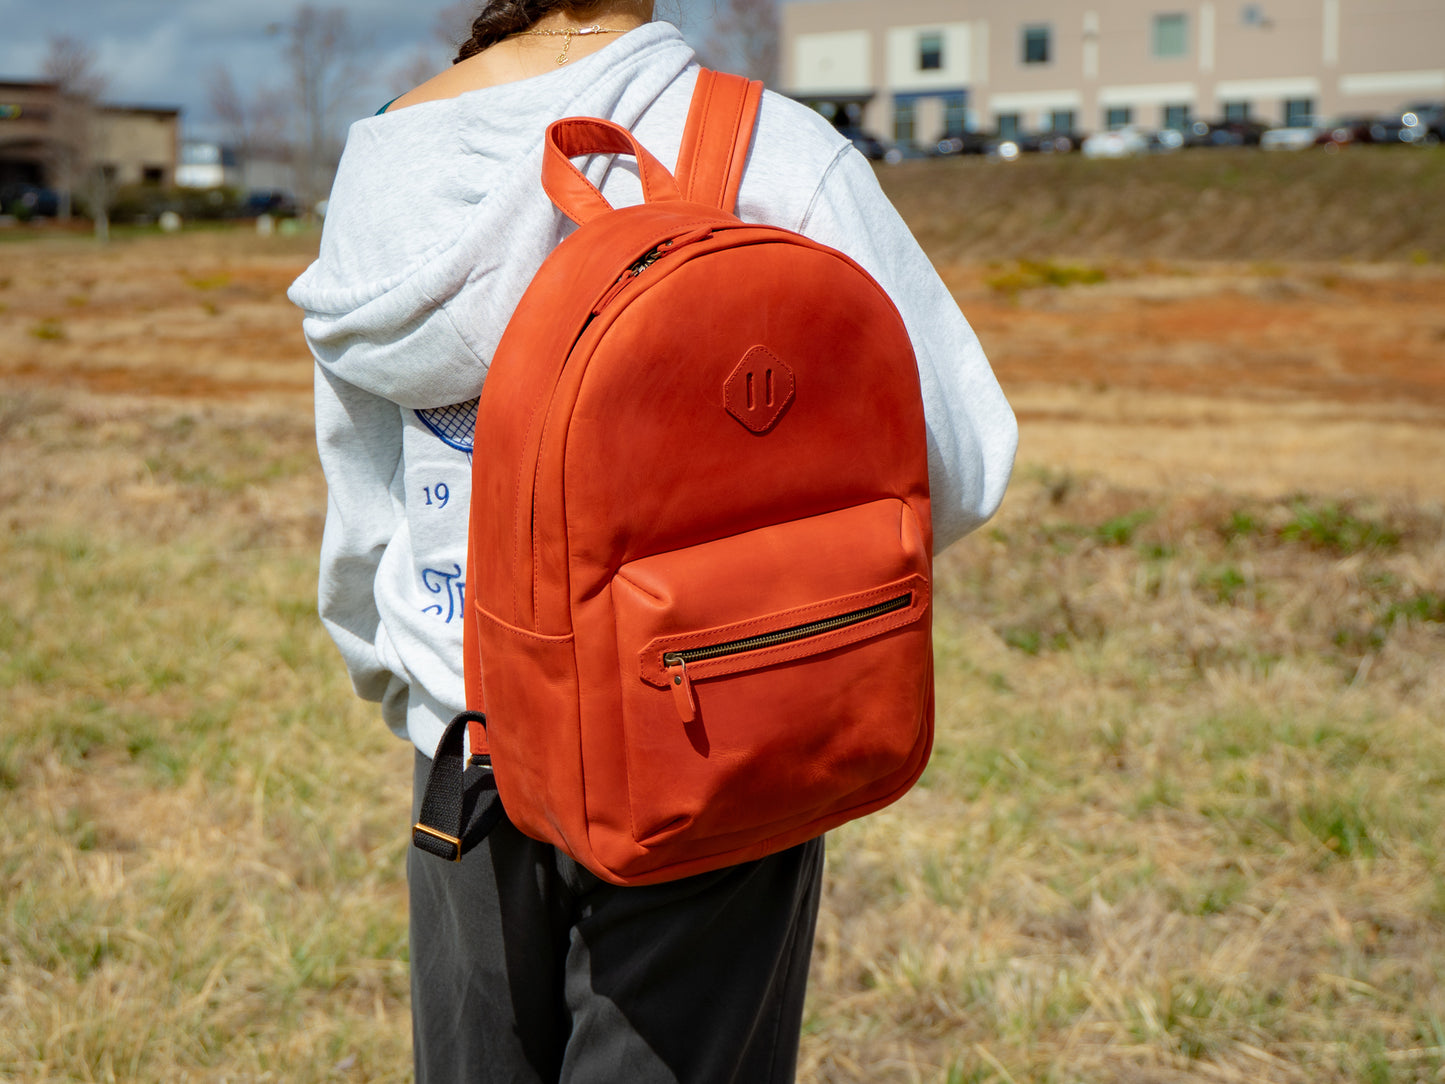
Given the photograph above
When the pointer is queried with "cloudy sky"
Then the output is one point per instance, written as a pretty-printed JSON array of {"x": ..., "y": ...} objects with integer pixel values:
[{"x": 161, "y": 52}]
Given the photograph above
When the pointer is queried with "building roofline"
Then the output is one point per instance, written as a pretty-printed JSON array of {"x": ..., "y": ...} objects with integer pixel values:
[
  {"x": 30, "y": 84},
  {"x": 121, "y": 107},
  {"x": 109, "y": 107}
]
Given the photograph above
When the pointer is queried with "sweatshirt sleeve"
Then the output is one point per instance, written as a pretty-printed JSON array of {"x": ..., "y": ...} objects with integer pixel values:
[
  {"x": 972, "y": 434},
  {"x": 358, "y": 437}
]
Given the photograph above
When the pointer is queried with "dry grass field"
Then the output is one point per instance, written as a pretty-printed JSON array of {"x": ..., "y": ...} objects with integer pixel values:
[{"x": 1186, "y": 817}]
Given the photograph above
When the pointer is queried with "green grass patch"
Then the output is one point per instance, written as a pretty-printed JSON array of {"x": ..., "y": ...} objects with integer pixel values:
[
  {"x": 1120, "y": 530},
  {"x": 1039, "y": 274},
  {"x": 1159, "y": 828},
  {"x": 1328, "y": 526},
  {"x": 49, "y": 329}
]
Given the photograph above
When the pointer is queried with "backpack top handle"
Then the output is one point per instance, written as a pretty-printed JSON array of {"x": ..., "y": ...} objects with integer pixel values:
[
  {"x": 576, "y": 196},
  {"x": 710, "y": 163}
]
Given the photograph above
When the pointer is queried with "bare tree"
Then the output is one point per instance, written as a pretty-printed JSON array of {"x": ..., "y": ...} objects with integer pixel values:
[
  {"x": 74, "y": 66},
  {"x": 419, "y": 67},
  {"x": 453, "y": 26},
  {"x": 229, "y": 107},
  {"x": 744, "y": 39},
  {"x": 78, "y": 138},
  {"x": 255, "y": 124},
  {"x": 321, "y": 52},
  {"x": 270, "y": 108}
]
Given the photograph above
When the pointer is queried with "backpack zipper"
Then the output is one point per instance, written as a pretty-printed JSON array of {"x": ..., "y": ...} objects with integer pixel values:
[
  {"x": 675, "y": 662},
  {"x": 646, "y": 260}
]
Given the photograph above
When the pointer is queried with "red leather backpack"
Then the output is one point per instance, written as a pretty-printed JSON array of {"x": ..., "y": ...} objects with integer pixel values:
[{"x": 698, "y": 591}]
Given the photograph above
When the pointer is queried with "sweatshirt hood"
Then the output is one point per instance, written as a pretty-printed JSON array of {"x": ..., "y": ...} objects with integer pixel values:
[{"x": 448, "y": 193}]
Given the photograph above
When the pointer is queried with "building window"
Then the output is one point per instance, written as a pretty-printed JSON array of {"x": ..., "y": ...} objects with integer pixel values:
[
  {"x": 153, "y": 175},
  {"x": 1061, "y": 121},
  {"x": 1036, "y": 44},
  {"x": 1118, "y": 116},
  {"x": 1171, "y": 36},
  {"x": 1176, "y": 117},
  {"x": 1234, "y": 111},
  {"x": 903, "y": 121},
  {"x": 1009, "y": 125},
  {"x": 1298, "y": 112},
  {"x": 930, "y": 52},
  {"x": 955, "y": 112}
]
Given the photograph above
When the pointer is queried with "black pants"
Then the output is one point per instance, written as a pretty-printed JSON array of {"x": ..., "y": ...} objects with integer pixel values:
[{"x": 527, "y": 968}]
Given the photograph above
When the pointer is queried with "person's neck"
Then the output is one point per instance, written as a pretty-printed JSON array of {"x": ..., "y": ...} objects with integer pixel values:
[
  {"x": 617, "y": 16},
  {"x": 550, "y": 38}
]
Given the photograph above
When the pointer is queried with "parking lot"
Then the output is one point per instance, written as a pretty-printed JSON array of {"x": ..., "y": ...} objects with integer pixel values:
[{"x": 1416, "y": 123}]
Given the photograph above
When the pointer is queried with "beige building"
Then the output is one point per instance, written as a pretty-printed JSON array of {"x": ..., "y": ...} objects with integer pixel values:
[
  {"x": 140, "y": 144},
  {"x": 44, "y": 135},
  {"x": 910, "y": 70}
]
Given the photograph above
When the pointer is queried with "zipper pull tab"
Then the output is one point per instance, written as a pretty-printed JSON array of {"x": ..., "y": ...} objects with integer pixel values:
[
  {"x": 682, "y": 693},
  {"x": 613, "y": 291}
]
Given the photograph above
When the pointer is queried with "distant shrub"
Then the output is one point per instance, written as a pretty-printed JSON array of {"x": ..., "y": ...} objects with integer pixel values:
[
  {"x": 146, "y": 203},
  {"x": 48, "y": 330},
  {"x": 1037, "y": 274}
]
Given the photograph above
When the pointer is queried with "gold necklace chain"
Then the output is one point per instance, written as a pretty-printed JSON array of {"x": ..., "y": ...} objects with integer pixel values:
[{"x": 567, "y": 33}]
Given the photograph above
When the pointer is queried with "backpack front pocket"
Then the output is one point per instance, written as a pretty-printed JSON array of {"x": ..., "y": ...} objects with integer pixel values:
[{"x": 776, "y": 674}]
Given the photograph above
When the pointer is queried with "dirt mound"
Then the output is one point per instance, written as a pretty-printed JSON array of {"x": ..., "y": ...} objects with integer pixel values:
[{"x": 1370, "y": 203}]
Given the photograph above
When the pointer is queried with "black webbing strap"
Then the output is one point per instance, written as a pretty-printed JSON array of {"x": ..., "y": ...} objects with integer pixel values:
[{"x": 459, "y": 804}]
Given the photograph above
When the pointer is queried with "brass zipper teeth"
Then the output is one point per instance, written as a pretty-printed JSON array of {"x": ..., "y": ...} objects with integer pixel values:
[
  {"x": 786, "y": 636},
  {"x": 648, "y": 260}
]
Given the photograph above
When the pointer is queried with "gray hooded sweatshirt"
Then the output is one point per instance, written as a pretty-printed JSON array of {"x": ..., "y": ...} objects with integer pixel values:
[{"x": 435, "y": 226}]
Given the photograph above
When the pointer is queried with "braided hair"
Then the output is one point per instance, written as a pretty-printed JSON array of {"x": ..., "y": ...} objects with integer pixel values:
[{"x": 502, "y": 18}]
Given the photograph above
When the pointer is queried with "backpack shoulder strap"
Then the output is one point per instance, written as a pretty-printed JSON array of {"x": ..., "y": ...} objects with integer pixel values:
[{"x": 716, "y": 138}]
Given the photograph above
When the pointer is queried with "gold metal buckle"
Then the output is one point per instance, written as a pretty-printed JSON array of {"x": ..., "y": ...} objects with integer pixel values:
[{"x": 453, "y": 840}]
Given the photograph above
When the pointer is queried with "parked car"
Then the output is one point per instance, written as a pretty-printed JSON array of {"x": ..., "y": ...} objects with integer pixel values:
[
  {"x": 1122, "y": 142},
  {"x": 1165, "y": 140},
  {"x": 26, "y": 201},
  {"x": 1390, "y": 128},
  {"x": 1012, "y": 147},
  {"x": 1060, "y": 142},
  {"x": 1293, "y": 137},
  {"x": 269, "y": 201},
  {"x": 1425, "y": 121},
  {"x": 871, "y": 147},
  {"x": 964, "y": 143},
  {"x": 1224, "y": 133},
  {"x": 1033, "y": 143},
  {"x": 1343, "y": 132}
]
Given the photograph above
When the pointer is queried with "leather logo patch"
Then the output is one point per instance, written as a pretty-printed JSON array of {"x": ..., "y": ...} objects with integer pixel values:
[{"x": 759, "y": 389}]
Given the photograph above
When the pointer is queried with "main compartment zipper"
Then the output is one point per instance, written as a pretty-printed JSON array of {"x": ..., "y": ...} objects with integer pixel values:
[
  {"x": 676, "y": 662},
  {"x": 646, "y": 260}
]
